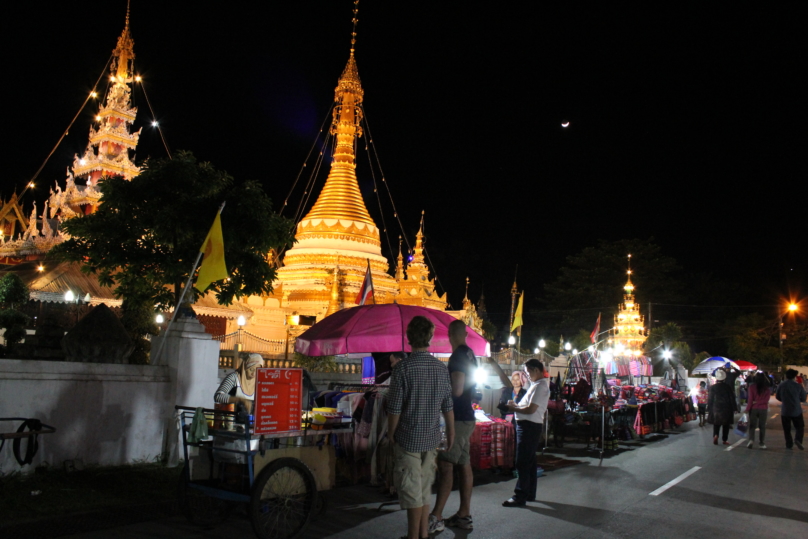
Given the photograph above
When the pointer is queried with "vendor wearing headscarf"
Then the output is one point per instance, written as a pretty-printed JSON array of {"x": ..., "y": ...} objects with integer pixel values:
[{"x": 239, "y": 386}]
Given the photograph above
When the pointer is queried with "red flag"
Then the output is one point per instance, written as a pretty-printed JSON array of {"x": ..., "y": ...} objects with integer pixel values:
[
  {"x": 594, "y": 336},
  {"x": 366, "y": 291}
]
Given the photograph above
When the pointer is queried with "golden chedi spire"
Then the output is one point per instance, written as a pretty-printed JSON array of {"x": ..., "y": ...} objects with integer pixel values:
[
  {"x": 338, "y": 230},
  {"x": 399, "y": 263}
]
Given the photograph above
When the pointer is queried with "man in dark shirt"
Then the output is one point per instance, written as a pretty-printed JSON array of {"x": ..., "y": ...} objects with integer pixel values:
[
  {"x": 791, "y": 394},
  {"x": 462, "y": 365},
  {"x": 420, "y": 391}
]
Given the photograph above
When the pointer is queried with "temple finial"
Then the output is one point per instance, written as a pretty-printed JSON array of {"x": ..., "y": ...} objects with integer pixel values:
[{"x": 355, "y": 21}]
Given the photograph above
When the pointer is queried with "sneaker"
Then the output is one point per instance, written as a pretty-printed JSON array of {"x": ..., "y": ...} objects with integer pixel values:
[
  {"x": 799, "y": 445},
  {"x": 464, "y": 523},
  {"x": 762, "y": 445},
  {"x": 436, "y": 525},
  {"x": 750, "y": 445}
]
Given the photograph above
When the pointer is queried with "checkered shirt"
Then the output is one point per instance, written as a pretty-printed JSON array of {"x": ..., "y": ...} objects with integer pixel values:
[{"x": 420, "y": 389}]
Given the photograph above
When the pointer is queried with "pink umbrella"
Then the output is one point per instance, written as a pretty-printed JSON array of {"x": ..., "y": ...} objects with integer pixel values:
[{"x": 379, "y": 328}]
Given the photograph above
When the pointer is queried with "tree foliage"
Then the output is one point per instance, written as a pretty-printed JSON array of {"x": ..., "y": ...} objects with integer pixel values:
[
  {"x": 593, "y": 280},
  {"x": 754, "y": 338},
  {"x": 13, "y": 295},
  {"x": 146, "y": 233}
]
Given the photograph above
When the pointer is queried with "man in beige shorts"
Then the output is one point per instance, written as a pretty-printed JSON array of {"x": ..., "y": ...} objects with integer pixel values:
[
  {"x": 462, "y": 365},
  {"x": 420, "y": 391}
]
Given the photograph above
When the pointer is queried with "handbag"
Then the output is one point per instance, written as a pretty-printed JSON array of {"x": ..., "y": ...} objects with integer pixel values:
[{"x": 743, "y": 426}]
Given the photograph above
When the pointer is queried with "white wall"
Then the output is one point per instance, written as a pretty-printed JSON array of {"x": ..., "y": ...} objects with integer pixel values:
[{"x": 103, "y": 413}]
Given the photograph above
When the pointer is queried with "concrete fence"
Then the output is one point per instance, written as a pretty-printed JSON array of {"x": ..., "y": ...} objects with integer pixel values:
[{"x": 103, "y": 413}]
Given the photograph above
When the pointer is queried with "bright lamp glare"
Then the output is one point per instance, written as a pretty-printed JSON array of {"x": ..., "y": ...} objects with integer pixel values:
[
  {"x": 241, "y": 320},
  {"x": 792, "y": 307},
  {"x": 70, "y": 296},
  {"x": 567, "y": 346},
  {"x": 667, "y": 354},
  {"x": 159, "y": 319},
  {"x": 480, "y": 376},
  {"x": 542, "y": 344},
  {"x": 511, "y": 340}
]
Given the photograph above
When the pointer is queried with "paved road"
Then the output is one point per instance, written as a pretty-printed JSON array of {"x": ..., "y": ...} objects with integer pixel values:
[{"x": 730, "y": 492}]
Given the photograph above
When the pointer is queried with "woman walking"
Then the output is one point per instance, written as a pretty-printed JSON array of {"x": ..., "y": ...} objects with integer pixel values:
[
  {"x": 701, "y": 398},
  {"x": 529, "y": 412},
  {"x": 757, "y": 406},
  {"x": 721, "y": 406}
]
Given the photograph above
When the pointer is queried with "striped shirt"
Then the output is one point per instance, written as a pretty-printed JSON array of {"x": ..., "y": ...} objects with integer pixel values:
[
  {"x": 229, "y": 388},
  {"x": 420, "y": 389}
]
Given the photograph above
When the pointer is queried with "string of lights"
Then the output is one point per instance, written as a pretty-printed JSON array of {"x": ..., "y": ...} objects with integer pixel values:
[
  {"x": 155, "y": 123},
  {"x": 92, "y": 95},
  {"x": 306, "y": 160}
]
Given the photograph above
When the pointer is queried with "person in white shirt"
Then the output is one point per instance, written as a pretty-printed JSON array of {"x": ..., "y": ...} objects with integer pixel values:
[{"x": 529, "y": 412}]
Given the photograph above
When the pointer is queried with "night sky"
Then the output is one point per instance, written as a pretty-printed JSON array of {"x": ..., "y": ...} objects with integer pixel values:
[{"x": 686, "y": 123}]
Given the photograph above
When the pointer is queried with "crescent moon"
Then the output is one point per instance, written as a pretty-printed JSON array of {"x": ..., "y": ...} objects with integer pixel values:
[
  {"x": 565, "y": 124},
  {"x": 288, "y": 375}
]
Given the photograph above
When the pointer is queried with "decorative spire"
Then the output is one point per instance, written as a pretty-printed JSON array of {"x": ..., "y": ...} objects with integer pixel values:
[
  {"x": 400, "y": 263},
  {"x": 340, "y": 197},
  {"x": 466, "y": 297},
  {"x": 417, "y": 268},
  {"x": 124, "y": 52},
  {"x": 629, "y": 288},
  {"x": 107, "y": 153}
]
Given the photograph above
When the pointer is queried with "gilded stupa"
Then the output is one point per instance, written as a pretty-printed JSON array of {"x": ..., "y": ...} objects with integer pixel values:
[
  {"x": 628, "y": 334},
  {"x": 338, "y": 231}
]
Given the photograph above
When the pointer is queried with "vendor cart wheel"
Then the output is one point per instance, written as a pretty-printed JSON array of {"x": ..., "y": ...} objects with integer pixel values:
[
  {"x": 199, "y": 508},
  {"x": 283, "y": 499}
]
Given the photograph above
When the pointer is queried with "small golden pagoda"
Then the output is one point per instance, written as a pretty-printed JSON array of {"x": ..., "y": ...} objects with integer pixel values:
[
  {"x": 628, "y": 334},
  {"x": 417, "y": 288}
]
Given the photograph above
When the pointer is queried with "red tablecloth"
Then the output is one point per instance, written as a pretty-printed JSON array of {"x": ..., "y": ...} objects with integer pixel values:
[{"x": 492, "y": 444}]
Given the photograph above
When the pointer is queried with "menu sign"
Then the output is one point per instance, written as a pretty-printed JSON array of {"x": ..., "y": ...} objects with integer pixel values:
[{"x": 278, "y": 400}]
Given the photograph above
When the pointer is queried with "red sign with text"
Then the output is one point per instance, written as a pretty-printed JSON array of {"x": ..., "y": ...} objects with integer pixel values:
[{"x": 278, "y": 400}]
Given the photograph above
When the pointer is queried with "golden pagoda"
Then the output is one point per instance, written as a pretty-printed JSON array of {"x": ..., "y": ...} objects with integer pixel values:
[
  {"x": 338, "y": 230},
  {"x": 628, "y": 334}
]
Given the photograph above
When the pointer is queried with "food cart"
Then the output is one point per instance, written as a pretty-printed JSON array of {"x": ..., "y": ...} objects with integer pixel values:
[{"x": 236, "y": 462}]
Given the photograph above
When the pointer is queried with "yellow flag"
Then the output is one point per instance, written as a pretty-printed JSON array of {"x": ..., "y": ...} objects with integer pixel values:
[
  {"x": 213, "y": 267},
  {"x": 517, "y": 317}
]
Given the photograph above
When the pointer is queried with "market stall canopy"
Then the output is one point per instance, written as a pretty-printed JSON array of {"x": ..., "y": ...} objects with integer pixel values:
[
  {"x": 379, "y": 328},
  {"x": 712, "y": 363},
  {"x": 745, "y": 365}
]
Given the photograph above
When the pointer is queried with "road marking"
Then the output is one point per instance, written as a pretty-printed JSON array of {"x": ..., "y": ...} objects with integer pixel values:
[
  {"x": 775, "y": 415},
  {"x": 679, "y": 479},
  {"x": 736, "y": 444}
]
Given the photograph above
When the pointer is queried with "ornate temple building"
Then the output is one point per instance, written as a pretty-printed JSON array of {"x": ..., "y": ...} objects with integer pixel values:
[
  {"x": 337, "y": 240},
  {"x": 107, "y": 154},
  {"x": 628, "y": 334}
]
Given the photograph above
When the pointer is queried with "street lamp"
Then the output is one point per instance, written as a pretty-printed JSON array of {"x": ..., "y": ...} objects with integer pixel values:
[
  {"x": 792, "y": 308},
  {"x": 159, "y": 319},
  {"x": 567, "y": 347}
]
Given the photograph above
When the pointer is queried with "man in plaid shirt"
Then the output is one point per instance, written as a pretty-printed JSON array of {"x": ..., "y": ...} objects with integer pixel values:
[{"x": 420, "y": 390}]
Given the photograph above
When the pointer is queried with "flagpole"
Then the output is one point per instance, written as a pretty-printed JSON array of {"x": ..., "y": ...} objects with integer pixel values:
[{"x": 153, "y": 361}]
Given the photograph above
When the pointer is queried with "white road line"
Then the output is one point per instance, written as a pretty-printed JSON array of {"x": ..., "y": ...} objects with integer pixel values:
[
  {"x": 736, "y": 444},
  {"x": 679, "y": 479}
]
